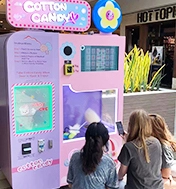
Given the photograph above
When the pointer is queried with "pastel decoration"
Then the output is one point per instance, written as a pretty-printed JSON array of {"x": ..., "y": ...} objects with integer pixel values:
[
  {"x": 107, "y": 16},
  {"x": 66, "y": 135},
  {"x": 67, "y": 15},
  {"x": 49, "y": 46},
  {"x": 44, "y": 48},
  {"x": 66, "y": 163},
  {"x": 91, "y": 116},
  {"x": 72, "y": 135}
]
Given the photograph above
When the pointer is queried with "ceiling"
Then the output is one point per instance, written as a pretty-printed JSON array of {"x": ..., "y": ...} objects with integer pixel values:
[{"x": 127, "y": 6}]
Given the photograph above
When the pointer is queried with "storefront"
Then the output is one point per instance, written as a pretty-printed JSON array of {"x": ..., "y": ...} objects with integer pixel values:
[{"x": 154, "y": 30}]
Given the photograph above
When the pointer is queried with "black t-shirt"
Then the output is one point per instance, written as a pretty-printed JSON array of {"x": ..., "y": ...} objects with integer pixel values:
[{"x": 140, "y": 174}]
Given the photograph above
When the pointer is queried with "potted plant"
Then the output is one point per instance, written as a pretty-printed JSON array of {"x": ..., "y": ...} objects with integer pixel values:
[
  {"x": 140, "y": 92},
  {"x": 136, "y": 72}
]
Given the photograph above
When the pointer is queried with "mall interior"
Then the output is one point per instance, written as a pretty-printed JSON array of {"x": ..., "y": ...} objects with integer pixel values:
[
  {"x": 151, "y": 26},
  {"x": 153, "y": 30}
]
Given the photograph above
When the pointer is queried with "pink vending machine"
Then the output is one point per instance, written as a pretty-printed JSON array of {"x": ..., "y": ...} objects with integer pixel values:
[{"x": 50, "y": 80}]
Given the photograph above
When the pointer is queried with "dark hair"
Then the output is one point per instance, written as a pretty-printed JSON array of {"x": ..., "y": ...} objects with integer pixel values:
[{"x": 96, "y": 136}]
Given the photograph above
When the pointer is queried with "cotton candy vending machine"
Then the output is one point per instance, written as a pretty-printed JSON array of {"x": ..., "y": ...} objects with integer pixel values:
[{"x": 50, "y": 80}]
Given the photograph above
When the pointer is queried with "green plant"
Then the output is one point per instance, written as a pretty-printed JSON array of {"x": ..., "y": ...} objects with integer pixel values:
[
  {"x": 156, "y": 80},
  {"x": 136, "y": 72}
]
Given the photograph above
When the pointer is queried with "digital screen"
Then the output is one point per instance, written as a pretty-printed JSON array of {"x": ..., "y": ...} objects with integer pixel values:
[
  {"x": 99, "y": 58},
  {"x": 32, "y": 108}
]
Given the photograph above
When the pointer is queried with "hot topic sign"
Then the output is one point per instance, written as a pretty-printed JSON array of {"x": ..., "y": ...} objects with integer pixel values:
[{"x": 70, "y": 15}]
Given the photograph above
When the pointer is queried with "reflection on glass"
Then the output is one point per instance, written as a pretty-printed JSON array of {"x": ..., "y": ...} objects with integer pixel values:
[{"x": 76, "y": 104}]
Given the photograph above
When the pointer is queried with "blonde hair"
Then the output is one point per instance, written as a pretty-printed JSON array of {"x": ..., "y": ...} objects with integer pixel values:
[
  {"x": 139, "y": 128},
  {"x": 161, "y": 131}
]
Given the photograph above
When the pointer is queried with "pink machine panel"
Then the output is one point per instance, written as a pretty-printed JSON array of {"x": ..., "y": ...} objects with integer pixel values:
[{"x": 53, "y": 79}]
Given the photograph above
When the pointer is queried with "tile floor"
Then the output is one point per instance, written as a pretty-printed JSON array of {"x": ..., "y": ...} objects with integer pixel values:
[
  {"x": 5, "y": 185},
  {"x": 3, "y": 182}
]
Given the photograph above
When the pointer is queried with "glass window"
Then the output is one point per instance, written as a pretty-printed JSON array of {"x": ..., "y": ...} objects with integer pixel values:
[{"x": 32, "y": 108}]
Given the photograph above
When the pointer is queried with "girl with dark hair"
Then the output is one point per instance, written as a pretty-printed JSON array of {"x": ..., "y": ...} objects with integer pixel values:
[{"x": 91, "y": 168}]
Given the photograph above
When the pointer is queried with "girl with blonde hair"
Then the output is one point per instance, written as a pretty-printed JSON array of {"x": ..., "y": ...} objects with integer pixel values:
[
  {"x": 141, "y": 155},
  {"x": 168, "y": 144}
]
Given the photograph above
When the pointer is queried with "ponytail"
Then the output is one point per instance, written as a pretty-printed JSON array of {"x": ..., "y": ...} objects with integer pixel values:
[
  {"x": 96, "y": 137},
  {"x": 91, "y": 154}
]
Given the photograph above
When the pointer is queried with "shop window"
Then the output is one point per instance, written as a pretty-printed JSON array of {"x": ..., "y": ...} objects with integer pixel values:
[
  {"x": 161, "y": 37},
  {"x": 132, "y": 37}
]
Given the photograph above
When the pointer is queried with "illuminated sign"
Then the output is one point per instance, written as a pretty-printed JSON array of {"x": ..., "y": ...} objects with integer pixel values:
[{"x": 70, "y": 15}]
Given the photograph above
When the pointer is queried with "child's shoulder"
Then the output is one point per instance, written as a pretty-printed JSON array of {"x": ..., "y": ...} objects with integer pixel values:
[
  {"x": 76, "y": 154},
  {"x": 107, "y": 158}
]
